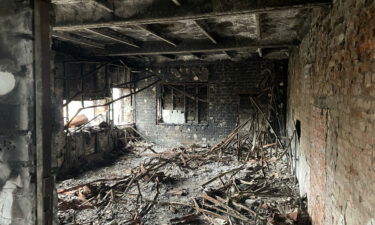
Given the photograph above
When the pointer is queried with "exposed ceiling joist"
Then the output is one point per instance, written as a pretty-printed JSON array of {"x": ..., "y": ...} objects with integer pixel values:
[
  {"x": 78, "y": 39},
  {"x": 177, "y": 2},
  {"x": 157, "y": 34},
  {"x": 259, "y": 32},
  {"x": 258, "y": 26},
  {"x": 210, "y": 36},
  {"x": 113, "y": 35},
  {"x": 205, "y": 46},
  {"x": 104, "y": 4},
  {"x": 178, "y": 14},
  {"x": 203, "y": 28}
]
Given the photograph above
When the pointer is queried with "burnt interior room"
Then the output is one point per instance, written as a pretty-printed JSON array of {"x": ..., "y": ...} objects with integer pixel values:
[{"x": 178, "y": 112}]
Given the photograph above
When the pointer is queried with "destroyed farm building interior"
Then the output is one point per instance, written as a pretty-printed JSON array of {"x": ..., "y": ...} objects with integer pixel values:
[{"x": 178, "y": 112}]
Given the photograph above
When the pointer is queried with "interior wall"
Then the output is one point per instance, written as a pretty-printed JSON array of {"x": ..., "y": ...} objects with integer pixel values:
[
  {"x": 17, "y": 145},
  {"x": 226, "y": 81},
  {"x": 332, "y": 94}
]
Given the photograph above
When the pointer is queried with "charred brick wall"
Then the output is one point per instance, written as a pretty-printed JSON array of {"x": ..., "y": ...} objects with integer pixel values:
[
  {"x": 17, "y": 146},
  {"x": 85, "y": 149},
  {"x": 226, "y": 81},
  {"x": 332, "y": 94}
]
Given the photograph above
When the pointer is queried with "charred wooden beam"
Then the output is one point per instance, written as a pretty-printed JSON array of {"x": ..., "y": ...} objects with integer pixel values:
[
  {"x": 259, "y": 32},
  {"x": 258, "y": 26},
  {"x": 157, "y": 34},
  {"x": 104, "y": 4},
  {"x": 205, "y": 31},
  {"x": 177, "y": 2},
  {"x": 113, "y": 35},
  {"x": 201, "y": 46},
  {"x": 200, "y": 24},
  {"x": 42, "y": 109},
  {"x": 200, "y": 12},
  {"x": 77, "y": 39}
]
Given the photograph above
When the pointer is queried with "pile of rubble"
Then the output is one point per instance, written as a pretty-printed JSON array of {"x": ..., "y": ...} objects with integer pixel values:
[{"x": 258, "y": 190}]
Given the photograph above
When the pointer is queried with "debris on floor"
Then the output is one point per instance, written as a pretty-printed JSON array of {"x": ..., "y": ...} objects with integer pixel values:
[
  {"x": 191, "y": 185},
  {"x": 244, "y": 179}
]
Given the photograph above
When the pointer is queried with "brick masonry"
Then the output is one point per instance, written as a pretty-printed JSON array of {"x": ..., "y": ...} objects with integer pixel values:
[
  {"x": 332, "y": 93},
  {"x": 226, "y": 80}
]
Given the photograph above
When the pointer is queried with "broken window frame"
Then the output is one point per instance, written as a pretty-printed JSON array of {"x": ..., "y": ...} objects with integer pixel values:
[
  {"x": 94, "y": 119},
  {"x": 195, "y": 97}
]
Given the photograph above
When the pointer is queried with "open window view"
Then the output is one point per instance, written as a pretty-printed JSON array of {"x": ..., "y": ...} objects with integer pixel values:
[{"x": 182, "y": 112}]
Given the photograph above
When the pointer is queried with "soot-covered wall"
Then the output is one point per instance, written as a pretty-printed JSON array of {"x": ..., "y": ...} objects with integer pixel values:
[
  {"x": 17, "y": 145},
  {"x": 226, "y": 81},
  {"x": 332, "y": 94}
]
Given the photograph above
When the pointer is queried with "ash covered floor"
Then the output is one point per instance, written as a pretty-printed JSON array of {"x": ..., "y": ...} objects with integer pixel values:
[{"x": 184, "y": 185}]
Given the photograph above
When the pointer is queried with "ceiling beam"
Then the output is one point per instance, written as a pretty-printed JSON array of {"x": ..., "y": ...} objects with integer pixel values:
[
  {"x": 258, "y": 32},
  {"x": 203, "y": 29},
  {"x": 258, "y": 26},
  {"x": 104, "y": 4},
  {"x": 77, "y": 39},
  {"x": 157, "y": 34},
  {"x": 198, "y": 13},
  {"x": 177, "y": 2},
  {"x": 201, "y": 46},
  {"x": 113, "y": 35}
]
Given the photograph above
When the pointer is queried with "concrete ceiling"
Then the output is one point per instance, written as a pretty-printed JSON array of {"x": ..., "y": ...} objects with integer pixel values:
[{"x": 165, "y": 30}]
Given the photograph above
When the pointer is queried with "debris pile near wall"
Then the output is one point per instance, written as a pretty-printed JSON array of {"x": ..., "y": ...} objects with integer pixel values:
[
  {"x": 92, "y": 146},
  {"x": 188, "y": 185}
]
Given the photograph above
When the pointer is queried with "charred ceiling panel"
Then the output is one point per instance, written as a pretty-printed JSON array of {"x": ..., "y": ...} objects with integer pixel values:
[
  {"x": 131, "y": 8},
  {"x": 148, "y": 31},
  {"x": 134, "y": 9},
  {"x": 181, "y": 30},
  {"x": 135, "y": 32},
  {"x": 283, "y": 25},
  {"x": 243, "y": 26},
  {"x": 98, "y": 38},
  {"x": 83, "y": 11}
]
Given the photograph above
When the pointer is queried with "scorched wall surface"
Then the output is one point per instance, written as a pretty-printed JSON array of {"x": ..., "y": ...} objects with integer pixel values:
[
  {"x": 332, "y": 93},
  {"x": 226, "y": 81},
  {"x": 17, "y": 148}
]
